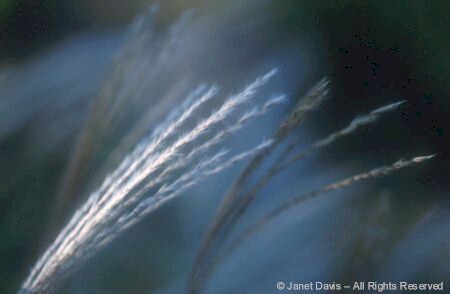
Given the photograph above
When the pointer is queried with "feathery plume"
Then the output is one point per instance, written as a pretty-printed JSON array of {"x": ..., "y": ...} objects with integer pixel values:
[{"x": 121, "y": 200}]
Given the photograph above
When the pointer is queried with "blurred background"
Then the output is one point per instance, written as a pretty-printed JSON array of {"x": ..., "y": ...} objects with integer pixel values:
[{"x": 59, "y": 58}]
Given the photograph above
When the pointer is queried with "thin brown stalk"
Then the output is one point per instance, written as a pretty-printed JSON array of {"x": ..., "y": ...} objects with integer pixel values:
[
  {"x": 300, "y": 199},
  {"x": 233, "y": 208}
]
